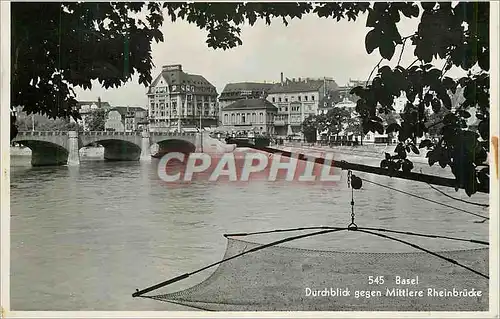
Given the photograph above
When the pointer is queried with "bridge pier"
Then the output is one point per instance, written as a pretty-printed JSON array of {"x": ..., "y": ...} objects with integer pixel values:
[
  {"x": 73, "y": 154},
  {"x": 145, "y": 147}
]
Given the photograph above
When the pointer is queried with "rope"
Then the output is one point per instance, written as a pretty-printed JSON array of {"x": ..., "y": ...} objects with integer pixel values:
[
  {"x": 427, "y": 251},
  {"x": 475, "y": 241},
  {"x": 458, "y": 199},
  {"x": 426, "y": 199}
]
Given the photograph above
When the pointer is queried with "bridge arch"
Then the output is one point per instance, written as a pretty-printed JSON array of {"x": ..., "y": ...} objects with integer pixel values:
[
  {"x": 170, "y": 145},
  {"x": 45, "y": 153},
  {"x": 116, "y": 149}
]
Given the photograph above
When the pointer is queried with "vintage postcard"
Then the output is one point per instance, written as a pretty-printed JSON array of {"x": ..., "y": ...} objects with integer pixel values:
[{"x": 235, "y": 159}]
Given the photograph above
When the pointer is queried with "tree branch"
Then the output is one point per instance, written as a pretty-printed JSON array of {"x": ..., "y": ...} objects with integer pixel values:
[
  {"x": 409, "y": 66},
  {"x": 402, "y": 49},
  {"x": 371, "y": 73}
]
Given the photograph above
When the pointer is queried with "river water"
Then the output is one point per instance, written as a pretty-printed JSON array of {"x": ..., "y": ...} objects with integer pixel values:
[{"x": 84, "y": 238}]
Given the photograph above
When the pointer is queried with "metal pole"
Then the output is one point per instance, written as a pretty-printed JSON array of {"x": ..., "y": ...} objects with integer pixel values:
[
  {"x": 201, "y": 130},
  {"x": 179, "y": 118},
  {"x": 419, "y": 177},
  {"x": 33, "y": 122}
]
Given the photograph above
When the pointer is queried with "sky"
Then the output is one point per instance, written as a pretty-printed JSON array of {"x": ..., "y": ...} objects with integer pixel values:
[{"x": 310, "y": 47}]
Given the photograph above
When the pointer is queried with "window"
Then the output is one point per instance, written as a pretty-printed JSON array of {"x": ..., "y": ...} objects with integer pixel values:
[
  {"x": 274, "y": 99},
  {"x": 225, "y": 118},
  {"x": 243, "y": 118},
  {"x": 279, "y": 99},
  {"x": 261, "y": 117},
  {"x": 312, "y": 97},
  {"x": 286, "y": 99},
  {"x": 305, "y": 97},
  {"x": 299, "y": 98}
]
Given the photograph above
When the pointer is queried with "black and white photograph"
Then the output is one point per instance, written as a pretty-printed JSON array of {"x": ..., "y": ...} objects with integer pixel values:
[{"x": 249, "y": 158}]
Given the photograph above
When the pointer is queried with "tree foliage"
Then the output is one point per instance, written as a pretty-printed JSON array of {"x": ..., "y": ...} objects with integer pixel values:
[
  {"x": 97, "y": 120},
  {"x": 71, "y": 44},
  {"x": 333, "y": 122},
  {"x": 27, "y": 122},
  {"x": 330, "y": 124},
  {"x": 310, "y": 128}
]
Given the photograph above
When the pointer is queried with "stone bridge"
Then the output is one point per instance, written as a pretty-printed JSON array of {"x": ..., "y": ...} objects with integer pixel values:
[{"x": 61, "y": 148}]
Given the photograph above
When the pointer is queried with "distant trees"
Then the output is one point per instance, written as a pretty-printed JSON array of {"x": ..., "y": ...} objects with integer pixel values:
[
  {"x": 97, "y": 120},
  {"x": 354, "y": 126},
  {"x": 310, "y": 129},
  {"x": 330, "y": 124},
  {"x": 388, "y": 119},
  {"x": 37, "y": 122},
  {"x": 333, "y": 122}
]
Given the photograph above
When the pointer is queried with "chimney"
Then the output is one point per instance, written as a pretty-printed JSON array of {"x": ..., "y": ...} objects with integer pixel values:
[
  {"x": 293, "y": 79},
  {"x": 281, "y": 78},
  {"x": 99, "y": 102},
  {"x": 299, "y": 79}
]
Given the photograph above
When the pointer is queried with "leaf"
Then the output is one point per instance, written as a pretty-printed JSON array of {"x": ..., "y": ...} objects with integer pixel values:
[
  {"x": 484, "y": 60},
  {"x": 446, "y": 100},
  {"x": 428, "y": 5},
  {"x": 414, "y": 149},
  {"x": 401, "y": 152},
  {"x": 393, "y": 127},
  {"x": 436, "y": 105},
  {"x": 464, "y": 114},
  {"x": 433, "y": 157},
  {"x": 425, "y": 143},
  {"x": 443, "y": 160},
  {"x": 407, "y": 166},
  {"x": 384, "y": 164},
  {"x": 372, "y": 40},
  {"x": 378, "y": 127},
  {"x": 448, "y": 83},
  {"x": 484, "y": 129},
  {"x": 414, "y": 10},
  {"x": 386, "y": 48}
]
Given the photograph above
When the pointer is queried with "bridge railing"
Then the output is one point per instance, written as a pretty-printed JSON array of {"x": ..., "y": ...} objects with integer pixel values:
[
  {"x": 173, "y": 133},
  {"x": 41, "y": 133},
  {"x": 97, "y": 133},
  {"x": 100, "y": 133}
]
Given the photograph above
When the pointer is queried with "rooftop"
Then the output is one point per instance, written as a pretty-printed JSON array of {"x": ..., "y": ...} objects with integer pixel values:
[
  {"x": 82, "y": 103},
  {"x": 247, "y": 86},
  {"x": 174, "y": 75},
  {"x": 305, "y": 85},
  {"x": 255, "y": 104},
  {"x": 124, "y": 109}
]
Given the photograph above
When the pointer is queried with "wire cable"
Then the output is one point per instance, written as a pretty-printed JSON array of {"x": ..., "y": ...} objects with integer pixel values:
[
  {"x": 427, "y": 251},
  {"x": 475, "y": 241},
  {"x": 458, "y": 199},
  {"x": 426, "y": 199}
]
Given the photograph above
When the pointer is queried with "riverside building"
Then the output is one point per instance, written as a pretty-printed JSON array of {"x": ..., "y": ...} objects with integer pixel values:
[
  {"x": 178, "y": 100},
  {"x": 295, "y": 100}
]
